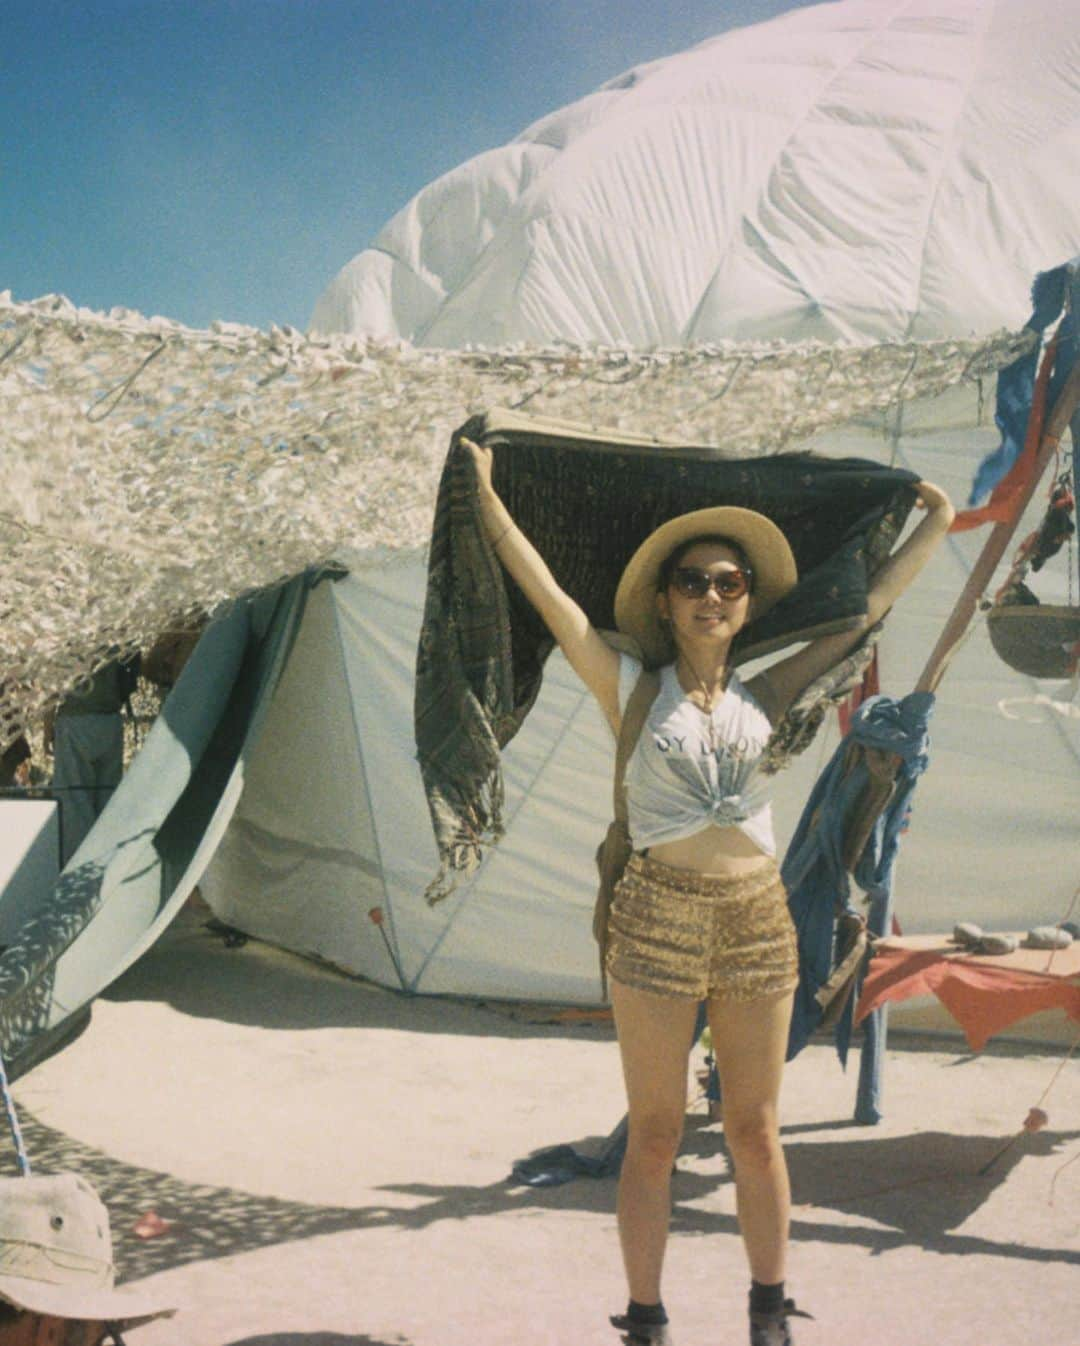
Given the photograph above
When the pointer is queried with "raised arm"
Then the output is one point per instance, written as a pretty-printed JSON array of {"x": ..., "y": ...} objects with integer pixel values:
[
  {"x": 780, "y": 684},
  {"x": 588, "y": 654}
]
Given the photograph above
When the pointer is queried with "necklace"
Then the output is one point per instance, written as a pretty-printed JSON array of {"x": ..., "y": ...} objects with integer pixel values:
[{"x": 708, "y": 697}]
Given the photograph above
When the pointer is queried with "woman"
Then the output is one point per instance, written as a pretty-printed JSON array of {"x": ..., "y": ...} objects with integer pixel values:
[{"x": 700, "y": 912}]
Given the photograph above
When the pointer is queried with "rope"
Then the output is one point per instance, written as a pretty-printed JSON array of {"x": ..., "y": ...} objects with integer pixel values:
[
  {"x": 111, "y": 398},
  {"x": 1036, "y": 1118},
  {"x": 13, "y": 1123},
  {"x": 945, "y": 1173},
  {"x": 1060, "y": 1171}
]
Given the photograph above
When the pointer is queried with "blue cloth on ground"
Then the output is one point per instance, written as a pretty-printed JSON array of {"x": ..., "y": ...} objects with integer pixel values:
[
  {"x": 1016, "y": 383},
  {"x": 818, "y": 884},
  {"x": 556, "y": 1164}
]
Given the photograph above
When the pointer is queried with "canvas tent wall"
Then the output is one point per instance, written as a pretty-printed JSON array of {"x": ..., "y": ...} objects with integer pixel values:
[{"x": 333, "y": 821}]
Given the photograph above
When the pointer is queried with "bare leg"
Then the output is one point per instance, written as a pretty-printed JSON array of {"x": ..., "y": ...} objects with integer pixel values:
[
  {"x": 749, "y": 1041},
  {"x": 654, "y": 1041}
]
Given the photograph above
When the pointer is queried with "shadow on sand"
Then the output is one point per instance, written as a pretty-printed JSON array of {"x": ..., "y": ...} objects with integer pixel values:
[
  {"x": 319, "y": 1339},
  {"x": 915, "y": 1190},
  {"x": 920, "y": 1187}
]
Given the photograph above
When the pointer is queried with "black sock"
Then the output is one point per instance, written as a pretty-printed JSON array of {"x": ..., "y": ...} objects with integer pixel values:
[
  {"x": 766, "y": 1298},
  {"x": 646, "y": 1313}
]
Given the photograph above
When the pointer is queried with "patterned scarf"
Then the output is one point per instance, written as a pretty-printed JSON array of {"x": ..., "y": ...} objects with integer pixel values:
[{"x": 586, "y": 505}]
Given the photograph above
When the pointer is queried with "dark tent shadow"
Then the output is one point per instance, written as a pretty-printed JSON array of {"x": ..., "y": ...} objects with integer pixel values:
[
  {"x": 254, "y": 985},
  {"x": 319, "y": 1339},
  {"x": 925, "y": 1184},
  {"x": 919, "y": 1186}
]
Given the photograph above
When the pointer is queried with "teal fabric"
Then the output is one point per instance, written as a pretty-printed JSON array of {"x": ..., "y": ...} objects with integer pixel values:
[
  {"x": 134, "y": 870},
  {"x": 106, "y": 692}
]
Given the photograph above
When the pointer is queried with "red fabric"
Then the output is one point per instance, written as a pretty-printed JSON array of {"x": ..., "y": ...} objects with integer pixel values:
[
  {"x": 984, "y": 994},
  {"x": 1005, "y": 497},
  {"x": 870, "y": 686}
]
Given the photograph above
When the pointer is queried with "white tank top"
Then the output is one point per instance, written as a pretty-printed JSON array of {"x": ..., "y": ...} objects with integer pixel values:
[{"x": 676, "y": 785}]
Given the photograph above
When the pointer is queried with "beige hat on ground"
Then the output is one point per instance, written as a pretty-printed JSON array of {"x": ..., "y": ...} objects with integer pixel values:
[
  {"x": 766, "y": 548},
  {"x": 56, "y": 1254}
]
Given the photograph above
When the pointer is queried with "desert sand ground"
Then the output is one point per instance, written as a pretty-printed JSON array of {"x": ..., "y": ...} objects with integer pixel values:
[{"x": 332, "y": 1163}]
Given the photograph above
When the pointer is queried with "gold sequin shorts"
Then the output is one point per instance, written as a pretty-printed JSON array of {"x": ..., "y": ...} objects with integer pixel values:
[{"x": 678, "y": 933}]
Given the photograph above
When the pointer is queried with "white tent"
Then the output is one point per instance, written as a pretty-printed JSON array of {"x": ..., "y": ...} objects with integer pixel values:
[
  {"x": 861, "y": 171},
  {"x": 333, "y": 822}
]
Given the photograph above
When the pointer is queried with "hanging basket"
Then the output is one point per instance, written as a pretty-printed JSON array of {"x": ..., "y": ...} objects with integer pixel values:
[{"x": 1039, "y": 639}]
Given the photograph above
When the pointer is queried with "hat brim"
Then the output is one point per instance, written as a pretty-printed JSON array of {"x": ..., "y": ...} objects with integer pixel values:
[
  {"x": 126, "y": 1308},
  {"x": 767, "y": 550}
]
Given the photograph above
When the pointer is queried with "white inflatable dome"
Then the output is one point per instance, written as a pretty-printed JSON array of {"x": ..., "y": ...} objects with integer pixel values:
[{"x": 860, "y": 171}]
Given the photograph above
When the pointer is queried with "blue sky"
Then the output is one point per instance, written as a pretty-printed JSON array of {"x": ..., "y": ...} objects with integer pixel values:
[{"x": 225, "y": 158}]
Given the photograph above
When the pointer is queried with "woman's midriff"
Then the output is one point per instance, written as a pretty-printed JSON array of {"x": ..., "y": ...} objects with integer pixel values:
[{"x": 713, "y": 850}]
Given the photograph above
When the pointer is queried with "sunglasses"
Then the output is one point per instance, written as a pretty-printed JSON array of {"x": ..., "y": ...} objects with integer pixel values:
[{"x": 694, "y": 583}]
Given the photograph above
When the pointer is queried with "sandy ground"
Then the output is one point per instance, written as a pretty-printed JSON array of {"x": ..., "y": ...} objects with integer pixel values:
[{"x": 333, "y": 1160}]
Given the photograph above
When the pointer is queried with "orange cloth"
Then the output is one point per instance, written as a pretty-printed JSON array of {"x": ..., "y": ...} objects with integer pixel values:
[
  {"x": 1006, "y": 495},
  {"x": 984, "y": 993}
]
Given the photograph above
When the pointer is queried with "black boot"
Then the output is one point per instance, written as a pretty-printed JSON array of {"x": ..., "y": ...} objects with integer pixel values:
[
  {"x": 771, "y": 1329},
  {"x": 641, "y": 1334}
]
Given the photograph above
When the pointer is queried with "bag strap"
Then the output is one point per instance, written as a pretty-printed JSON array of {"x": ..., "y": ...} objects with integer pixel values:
[{"x": 644, "y": 694}]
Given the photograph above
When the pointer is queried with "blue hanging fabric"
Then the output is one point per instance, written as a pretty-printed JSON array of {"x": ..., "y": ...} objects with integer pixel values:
[
  {"x": 1016, "y": 383},
  {"x": 1068, "y": 355},
  {"x": 816, "y": 877}
]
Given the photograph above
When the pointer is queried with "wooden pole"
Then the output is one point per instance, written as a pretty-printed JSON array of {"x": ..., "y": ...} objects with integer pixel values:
[{"x": 1000, "y": 537}]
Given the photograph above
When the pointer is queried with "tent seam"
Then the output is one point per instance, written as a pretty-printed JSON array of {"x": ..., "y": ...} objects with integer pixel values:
[
  {"x": 388, "y": 907},
  {"x": 474, "y": 879},
  {"x": 427, "y": 277},
  {"x": 811, "y": 105},
  {"x": 947, "y": 148}
]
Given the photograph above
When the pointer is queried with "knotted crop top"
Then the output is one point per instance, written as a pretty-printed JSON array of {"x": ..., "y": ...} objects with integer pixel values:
[{"x": 676, "y": 785}]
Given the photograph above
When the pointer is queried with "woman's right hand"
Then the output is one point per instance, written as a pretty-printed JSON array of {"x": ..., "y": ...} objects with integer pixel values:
[
  {"x": 595, "y": 662},
  {"x": 482, "y": 461}
]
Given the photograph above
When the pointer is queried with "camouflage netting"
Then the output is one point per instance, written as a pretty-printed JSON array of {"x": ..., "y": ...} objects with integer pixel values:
[{"x": 149, "y": 471}]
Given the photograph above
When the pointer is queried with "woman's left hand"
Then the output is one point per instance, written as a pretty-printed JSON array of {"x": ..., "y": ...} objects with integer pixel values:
[{"x": 934, "y": 500}]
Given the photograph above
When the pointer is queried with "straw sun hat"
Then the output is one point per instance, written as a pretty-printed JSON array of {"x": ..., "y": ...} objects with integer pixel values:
[
  {"x": 766, "y": 548},
  {"x": 56, "y": 1254}
]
